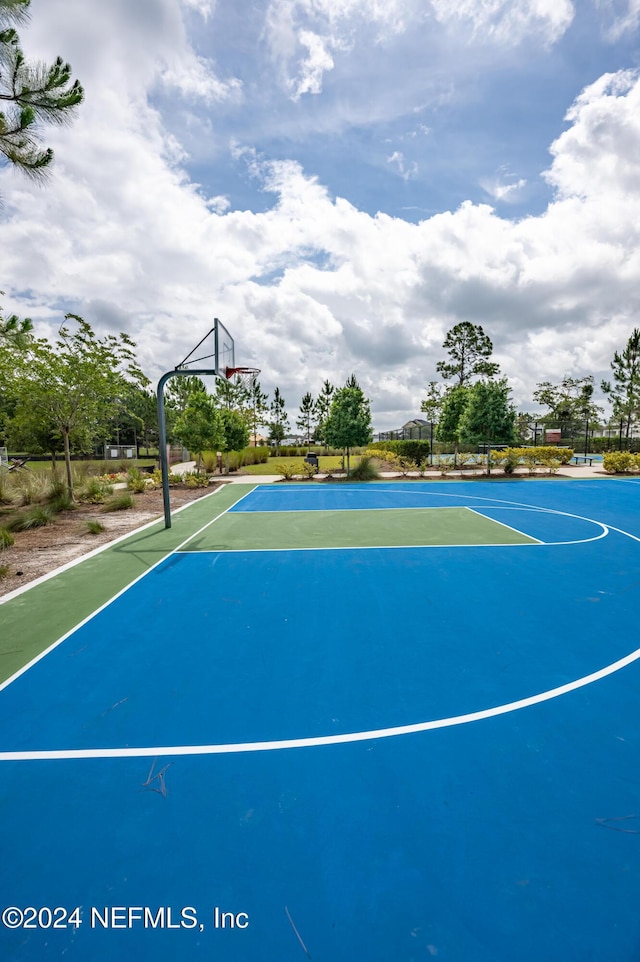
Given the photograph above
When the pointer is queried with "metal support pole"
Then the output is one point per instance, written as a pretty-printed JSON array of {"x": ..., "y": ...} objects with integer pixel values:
[{"x": 162, "y": 431}]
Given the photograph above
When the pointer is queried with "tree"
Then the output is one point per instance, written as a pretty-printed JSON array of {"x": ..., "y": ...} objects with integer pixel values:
[
  {"x": 304, "y": 422},
  {"x": 230, "y": 394},
  {"x": 279, "y": 424},
  {"x": 32, "y": 94},
  {"x": 349, "y": 422},
  {"x": 488, "y": 416},
  {"x": 200, "y": 426},
  {"x": 14, "y": 331},
  {"x": 453, "y": 406},
  {"x": 181, "y": 389},
  {"x": 625, "y": 390},
  {"x": 322, "y": 408},
  {"x": 258, "y": 410},
  {"x": 432, "y": 404},
  {"x": 469, "y": 349},
  {"x": 568, "y": 401},
  {"x": 74, "y": 385},
  {"x": 236, "y": 432}
]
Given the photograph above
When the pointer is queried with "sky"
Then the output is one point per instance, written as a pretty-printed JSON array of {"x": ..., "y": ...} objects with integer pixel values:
[{"x": 340, "y": 182}]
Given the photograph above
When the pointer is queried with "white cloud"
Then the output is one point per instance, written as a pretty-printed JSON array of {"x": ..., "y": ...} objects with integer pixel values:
[
  {"x": 313, "y": 67},
  {"x": 503, "y": 187},
  {"x": 623, "y": 22},
  {"x": 312, "y": 287},
  {"x": 509, "y": 21},
  {"x": 406, "y": 171},
  {"x": 205, "y": 8}
]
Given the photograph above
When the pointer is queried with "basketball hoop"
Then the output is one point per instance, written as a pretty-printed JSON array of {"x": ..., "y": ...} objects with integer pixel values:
[{"x": 246, "y": 376}]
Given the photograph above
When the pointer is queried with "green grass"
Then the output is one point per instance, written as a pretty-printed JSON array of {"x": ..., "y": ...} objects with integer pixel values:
[
  {"x": 326, "y": 463},
  {"x": 91, "y": 467}
]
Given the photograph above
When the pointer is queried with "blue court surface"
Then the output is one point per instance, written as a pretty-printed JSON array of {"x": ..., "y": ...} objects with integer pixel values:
[{"x": 366, "y": 753}]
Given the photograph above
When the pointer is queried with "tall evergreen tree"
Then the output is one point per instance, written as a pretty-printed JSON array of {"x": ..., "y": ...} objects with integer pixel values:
[
  {"x": 305, "y": 420},
  {"x": 321, "y": 409},
  {"x": 625, "y": 390},
  {"x": 279, "y": 424},
  {"x": 469, "y": 351},
  {"x": 258, "y": 409},
  {"x": 31, "y": 94}
]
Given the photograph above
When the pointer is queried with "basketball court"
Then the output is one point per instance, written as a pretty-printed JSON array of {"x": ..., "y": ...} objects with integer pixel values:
[{"x": 336, "y": 721}]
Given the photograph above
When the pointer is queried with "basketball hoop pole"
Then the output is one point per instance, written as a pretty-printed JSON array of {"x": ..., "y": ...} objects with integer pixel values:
[{"x": 162, "y": 431}]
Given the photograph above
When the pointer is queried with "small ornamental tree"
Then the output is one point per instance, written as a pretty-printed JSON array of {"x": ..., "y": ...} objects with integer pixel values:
[
  {"x": 349, "y": 422},
  {"x": 73, "y": 387},
  {"x": 200, "y": 426},
  {"x": 236, "y": 432}
]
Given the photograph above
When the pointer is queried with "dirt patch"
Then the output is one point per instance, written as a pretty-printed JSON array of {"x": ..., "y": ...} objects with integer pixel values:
[{"x": 41, "y": 550}]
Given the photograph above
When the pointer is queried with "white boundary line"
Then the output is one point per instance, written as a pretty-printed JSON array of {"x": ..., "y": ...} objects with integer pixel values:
[
  {"x": 314, "y": 742},
  {"x": 507, "y": 526},
  {"x": 113, "y": 598}
]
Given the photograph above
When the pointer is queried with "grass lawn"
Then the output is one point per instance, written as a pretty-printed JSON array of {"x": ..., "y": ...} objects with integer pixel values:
[{"x": 90, "y": 467}]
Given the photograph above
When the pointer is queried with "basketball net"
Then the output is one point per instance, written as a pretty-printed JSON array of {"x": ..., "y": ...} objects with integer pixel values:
[{"x": 246, "y": 376}]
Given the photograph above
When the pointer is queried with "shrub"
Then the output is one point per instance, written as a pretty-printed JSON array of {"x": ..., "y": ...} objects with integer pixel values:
[
  {"x": 36, "y": 516},
  {"x": 289, "y": 469},
  {"x": 119, "y": 502},
  {"x": 135, "y": 481},
  {"x": 6, "y": 539},
  {"x": 193, "y": 480},
  {"x": 4, "y": 571},
  {"x": 621, "y": 462},
  {"x": 94, "y": 527},
  {"x": 365, "y": 470},
  {"x": 416, "y": 451},
  {"x": 94, "y": 491}
]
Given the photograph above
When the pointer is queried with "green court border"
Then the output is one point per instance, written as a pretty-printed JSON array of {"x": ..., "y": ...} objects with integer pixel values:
[{"x": 44, "y": 611}]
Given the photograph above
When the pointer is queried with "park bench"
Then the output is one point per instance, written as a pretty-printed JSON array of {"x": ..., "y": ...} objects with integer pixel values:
[{"x": 581, "y": 459}]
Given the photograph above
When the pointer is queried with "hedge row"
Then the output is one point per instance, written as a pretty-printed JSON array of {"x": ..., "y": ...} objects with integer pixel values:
[{"x": 533, "y": 455}]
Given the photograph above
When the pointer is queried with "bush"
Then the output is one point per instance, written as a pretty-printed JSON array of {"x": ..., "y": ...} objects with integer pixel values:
[
  {"x": 416, "y": 451},
  {"x": 135, "y": 481},
  {"x": 621, "y": 462},
  {"x": 119, "y": 502},
  {"x": 193, "y": 480},
  {"x": 366, "y": 470},
  {"x": 289, "y": 469},
  {"x": 37, "y": 516},
  {"x": 94, "y": 491},
  {"x": 94, "y": 527}
]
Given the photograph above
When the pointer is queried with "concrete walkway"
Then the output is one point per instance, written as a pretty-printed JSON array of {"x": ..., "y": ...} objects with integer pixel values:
[{"x": 574, "y": 471}]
